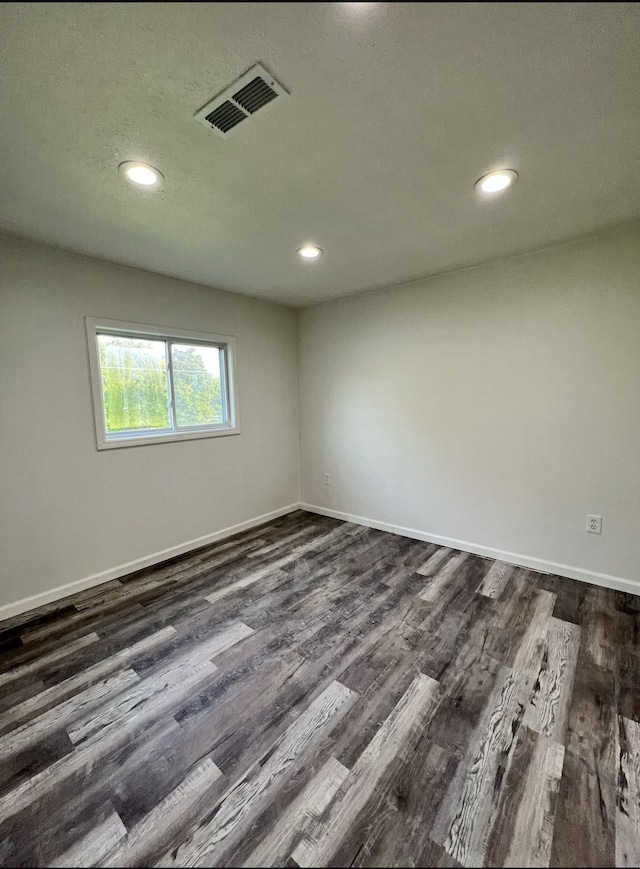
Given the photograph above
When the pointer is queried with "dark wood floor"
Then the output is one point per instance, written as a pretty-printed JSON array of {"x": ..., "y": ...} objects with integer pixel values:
[{"x": 315, "y": 693}]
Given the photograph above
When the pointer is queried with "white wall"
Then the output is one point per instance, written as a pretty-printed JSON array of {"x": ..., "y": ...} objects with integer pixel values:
[
  {"x": 69, "y": 512},
  {"x": 495, "y": 406}
]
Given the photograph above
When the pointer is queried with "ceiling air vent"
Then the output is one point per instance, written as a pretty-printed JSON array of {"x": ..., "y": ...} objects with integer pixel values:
[{"x": 253, "y": 90}]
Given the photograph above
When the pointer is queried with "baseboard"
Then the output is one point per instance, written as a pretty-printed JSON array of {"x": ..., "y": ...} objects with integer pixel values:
[
  {"x": 615, "y": 582},
  {"x": 62, "y": 591},
  {"x": 45, "y": 597}
]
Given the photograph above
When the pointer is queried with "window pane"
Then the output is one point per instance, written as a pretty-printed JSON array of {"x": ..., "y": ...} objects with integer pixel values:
[
  {"x": 134, "y": 383},
  {"x": 196, "y": 384}
]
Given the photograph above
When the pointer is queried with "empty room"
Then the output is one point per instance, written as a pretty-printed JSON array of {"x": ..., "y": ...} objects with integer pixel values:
[{"x": 320, "y": 434}]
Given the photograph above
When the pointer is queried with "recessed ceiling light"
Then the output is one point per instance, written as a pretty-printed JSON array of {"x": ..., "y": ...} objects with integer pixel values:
[
  {"x": 140, "y": 173},
  {"x": 495, "y": 182},
  {"x": 309, "y": 251}
]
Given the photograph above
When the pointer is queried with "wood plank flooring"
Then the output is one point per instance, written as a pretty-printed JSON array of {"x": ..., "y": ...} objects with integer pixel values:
[{"x": 316, "y": 693}]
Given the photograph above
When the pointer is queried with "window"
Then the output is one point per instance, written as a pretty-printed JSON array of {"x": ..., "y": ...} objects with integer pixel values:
[{"x": 152, "y": 384}]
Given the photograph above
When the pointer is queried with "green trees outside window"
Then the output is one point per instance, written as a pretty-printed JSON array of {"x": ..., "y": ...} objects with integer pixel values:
[{"x": 135, "y": 384}]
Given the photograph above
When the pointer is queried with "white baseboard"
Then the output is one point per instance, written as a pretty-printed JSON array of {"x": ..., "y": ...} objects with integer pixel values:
[
  {"x": 55, "y": 594},
  {"x": 604, "y": 579},
  {"x": 37, "y": 600}
]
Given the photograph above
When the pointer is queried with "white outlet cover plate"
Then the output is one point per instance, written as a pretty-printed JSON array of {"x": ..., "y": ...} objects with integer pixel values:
[{"x": 594, "y": 524}]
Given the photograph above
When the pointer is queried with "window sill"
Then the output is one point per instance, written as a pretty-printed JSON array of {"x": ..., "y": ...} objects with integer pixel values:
[{"x": 164, "y": 437}]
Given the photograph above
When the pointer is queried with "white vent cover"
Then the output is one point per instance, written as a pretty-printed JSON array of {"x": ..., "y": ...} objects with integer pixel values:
[{"x": 253, "y": 90}]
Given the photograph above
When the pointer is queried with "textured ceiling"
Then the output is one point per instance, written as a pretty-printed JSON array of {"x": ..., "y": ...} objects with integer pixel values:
[{"x": 395, "y": 110}]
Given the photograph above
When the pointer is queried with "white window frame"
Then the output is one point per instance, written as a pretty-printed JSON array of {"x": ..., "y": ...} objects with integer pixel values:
[{"x": 227, "y": 343}]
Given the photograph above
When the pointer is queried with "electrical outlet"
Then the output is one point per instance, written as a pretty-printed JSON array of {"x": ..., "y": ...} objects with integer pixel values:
[
  {"x": 327, "y": 480},
  {"x": 594, "y": 524}
]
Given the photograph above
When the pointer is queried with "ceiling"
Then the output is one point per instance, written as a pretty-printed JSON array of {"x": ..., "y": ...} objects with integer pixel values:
[{"x": 395, "y": 111}]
